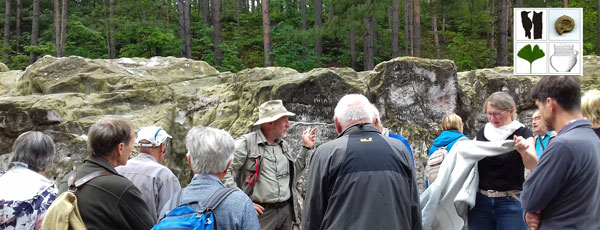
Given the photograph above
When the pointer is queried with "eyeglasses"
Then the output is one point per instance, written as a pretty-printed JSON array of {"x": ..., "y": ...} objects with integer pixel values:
[{"x": 496, "y": 115}]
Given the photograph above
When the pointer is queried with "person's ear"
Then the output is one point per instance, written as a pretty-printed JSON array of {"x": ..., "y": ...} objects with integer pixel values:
[
  {"x": 120, "y": 148},
  {"x": 338, "y": 126},
  {"x": 163, "y": 147},
  {"x": 189, "y": 160}
]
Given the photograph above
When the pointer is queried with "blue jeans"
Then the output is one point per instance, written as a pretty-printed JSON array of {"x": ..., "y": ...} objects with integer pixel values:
[{"x": 500, "y": 213}]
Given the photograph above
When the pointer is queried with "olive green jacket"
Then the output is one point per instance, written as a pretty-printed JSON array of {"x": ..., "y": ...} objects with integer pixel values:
[{"x": 109, "y": 202}]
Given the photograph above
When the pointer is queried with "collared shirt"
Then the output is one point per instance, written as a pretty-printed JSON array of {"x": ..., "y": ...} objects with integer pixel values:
[
  {"x": 24, "y": 196},
  {"x": 541, "y": 142},
  {"x": 273, "y": 184},
  {"x": 156, "y": 182},
  {"x": 565, "y": 184}
]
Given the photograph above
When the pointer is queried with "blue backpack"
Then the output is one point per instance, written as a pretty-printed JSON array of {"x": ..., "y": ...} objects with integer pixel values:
[{"x": 183, "y": 216}]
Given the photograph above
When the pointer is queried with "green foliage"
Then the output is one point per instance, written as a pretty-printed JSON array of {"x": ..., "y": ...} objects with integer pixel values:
[
  {"x": 287, "y": 50},
  {"x": 467, "y": 53},
  {"x": 84, "y": 41},
  {"x": 19, "y": 61},
  {"x": 530, "y": 54},
  {"x": 46, "y": 48},
  {"x": 150, "y": 41},
  {"x": 146, "y": 28}
]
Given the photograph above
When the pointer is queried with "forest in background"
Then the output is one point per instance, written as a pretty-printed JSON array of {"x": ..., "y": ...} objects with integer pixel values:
[{"x": 232, "y": 35}]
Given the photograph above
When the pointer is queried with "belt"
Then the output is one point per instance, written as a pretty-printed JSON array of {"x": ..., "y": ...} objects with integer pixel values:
[
  {"x": 277, "y": 205},
  {"x": 494, "y": 193}
]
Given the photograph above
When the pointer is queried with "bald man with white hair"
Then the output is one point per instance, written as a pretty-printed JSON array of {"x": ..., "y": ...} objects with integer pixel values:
[{"x": 362, "y": 179}]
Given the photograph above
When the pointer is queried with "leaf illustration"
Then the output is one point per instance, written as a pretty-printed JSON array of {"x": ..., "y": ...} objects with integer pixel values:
[{"x": 530, "y": 54}]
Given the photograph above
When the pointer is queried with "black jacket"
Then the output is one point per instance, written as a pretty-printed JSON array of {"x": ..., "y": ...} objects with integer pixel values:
[{"x": 362, "y": 180}]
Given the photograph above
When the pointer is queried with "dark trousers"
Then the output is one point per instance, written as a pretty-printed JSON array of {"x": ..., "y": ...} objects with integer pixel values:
[{"x": 276, "y": 218}]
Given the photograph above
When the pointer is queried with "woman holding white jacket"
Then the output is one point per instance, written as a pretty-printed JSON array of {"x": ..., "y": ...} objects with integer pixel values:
[{"x": 501, "y": 177}]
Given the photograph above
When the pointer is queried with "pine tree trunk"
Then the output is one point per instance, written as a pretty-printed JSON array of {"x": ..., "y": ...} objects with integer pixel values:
[
  {"x": 353, "y": 49},
  {"x": 565, "y": 3},
  {"x": 237, "y": 18},
  {"x": 509, "y": 18},
  {"x": 205, "y": 12},
  {"x": 18, "y": 28},
  {"x": 7, "y": 28},
  {"x": 63, "y": 27},
  {"x": 443, "y": 24},
  {"x": 188, "y": 30},
  {"x": 56, "y": 22},
  {"x": 112, "y": 46},
  {"x": 502, "y": 34},
  {"x": 181, "y": 25},
  {"x": 330, "y": 15},
  {"x": 417, "y": 28},
  {"x": 395, "y": 25},
  {"x": 266, "y": 32},
  {"x": 217, "y": 31},
  {"x": 368, "y": 49},
  {"x": 35, "y": 29},
  {"x": 436, "y": 39},
  {"x": 411, "y": 27},
  {"x": 408, "y": 40},
  {"x": 303, "y": 20},
  {"x": 318, "y": 24},
  {"x": 492, "y": 35}
]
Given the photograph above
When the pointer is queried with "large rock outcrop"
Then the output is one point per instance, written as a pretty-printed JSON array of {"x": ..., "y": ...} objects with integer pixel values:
[{"x": 64, "y": 96}]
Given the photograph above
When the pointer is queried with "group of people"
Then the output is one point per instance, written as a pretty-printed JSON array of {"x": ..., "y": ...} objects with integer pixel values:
[{"x": 363, "y": 179}]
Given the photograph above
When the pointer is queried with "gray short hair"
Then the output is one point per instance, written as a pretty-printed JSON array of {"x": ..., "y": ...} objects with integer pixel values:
[
  {"x": 209, "y": 149},
  {"x": 35, "y": 149},
  {"x": 354, "y": 107}
]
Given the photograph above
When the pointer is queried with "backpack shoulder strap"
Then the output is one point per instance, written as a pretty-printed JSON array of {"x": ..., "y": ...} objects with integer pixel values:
[
  {"x": 217, "y": 197},
  {"x": 81, "y": 181}
]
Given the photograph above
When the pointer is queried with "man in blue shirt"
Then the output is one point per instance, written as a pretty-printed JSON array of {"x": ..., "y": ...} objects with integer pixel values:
[
  {"x": 563, "y": 191},
  {"x": 543, "y": 134}
]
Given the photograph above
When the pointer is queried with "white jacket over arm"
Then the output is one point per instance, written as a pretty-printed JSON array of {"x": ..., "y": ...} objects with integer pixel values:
[{"x": 446, "y": 203}]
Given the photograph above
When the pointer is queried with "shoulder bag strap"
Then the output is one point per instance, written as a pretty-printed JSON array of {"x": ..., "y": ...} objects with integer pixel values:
[{"x": 81, "y": 181}]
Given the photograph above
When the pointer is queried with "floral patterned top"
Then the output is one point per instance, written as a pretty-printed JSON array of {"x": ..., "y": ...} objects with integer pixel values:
[{"x": 25, "y": 203}]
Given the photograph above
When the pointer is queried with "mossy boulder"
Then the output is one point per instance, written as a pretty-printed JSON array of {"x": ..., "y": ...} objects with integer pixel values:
[{"x": 63, "y": 97}]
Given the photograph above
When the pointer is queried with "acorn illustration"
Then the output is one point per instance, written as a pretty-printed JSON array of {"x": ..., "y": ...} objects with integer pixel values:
[{"x": 564, "y": 24}]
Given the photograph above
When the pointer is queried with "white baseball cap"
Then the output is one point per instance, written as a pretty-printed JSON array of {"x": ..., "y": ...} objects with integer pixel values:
[{"x": 153, "y": 134}]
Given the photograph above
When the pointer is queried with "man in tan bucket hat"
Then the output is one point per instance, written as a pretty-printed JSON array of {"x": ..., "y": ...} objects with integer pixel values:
[{"x": 264, "y": 167}]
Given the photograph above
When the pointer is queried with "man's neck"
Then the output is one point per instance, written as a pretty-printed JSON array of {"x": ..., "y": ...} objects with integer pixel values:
[
  {"x": 564, "y": 118},
  {"x": 270, "y": 136},
  {"x": 112, "y": 160}
]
